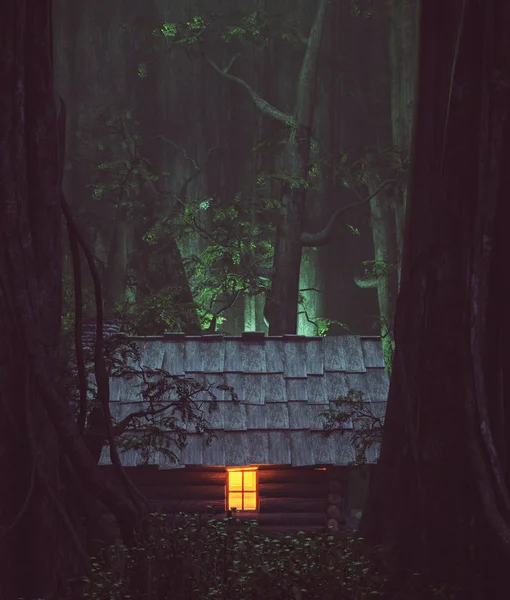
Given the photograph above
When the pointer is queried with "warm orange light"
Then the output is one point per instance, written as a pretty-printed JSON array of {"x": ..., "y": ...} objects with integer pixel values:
[{"x": 242, "y": 489}]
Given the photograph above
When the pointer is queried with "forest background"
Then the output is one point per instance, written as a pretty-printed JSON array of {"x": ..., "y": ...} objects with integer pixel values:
[{"x": 240, "y": 166}]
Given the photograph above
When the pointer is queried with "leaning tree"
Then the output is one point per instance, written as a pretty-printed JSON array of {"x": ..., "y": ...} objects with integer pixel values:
[{"x": 440, "y": 497}]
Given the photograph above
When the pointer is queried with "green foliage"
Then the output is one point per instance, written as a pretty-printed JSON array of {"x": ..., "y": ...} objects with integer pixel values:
[
  {"x": 159, "y": 311},
  {"x": 187, "y": 33},
  {"x": 191, "y": 557},
  {"x": 203, "y": 557},
  {"x": 374, "y": 269}
]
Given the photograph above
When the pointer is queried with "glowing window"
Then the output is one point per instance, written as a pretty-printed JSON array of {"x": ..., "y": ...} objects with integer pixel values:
[{"x": 242, "y": 489}]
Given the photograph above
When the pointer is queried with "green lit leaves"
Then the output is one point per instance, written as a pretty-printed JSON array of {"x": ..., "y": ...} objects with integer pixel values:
[
  {"x": 142, "y": 71},
  {"x": 251, "y": 27},
  {"x": 169, "y": 30},
  {"x": 186, "y": 33}
]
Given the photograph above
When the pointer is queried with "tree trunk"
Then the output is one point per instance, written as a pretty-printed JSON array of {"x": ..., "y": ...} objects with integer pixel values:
[
  {"x": 43, "y": 460},
  {"x": 284, "y": 294},
  {"x": 439, "y": 497},
  {"x": 116, "y": 274}
]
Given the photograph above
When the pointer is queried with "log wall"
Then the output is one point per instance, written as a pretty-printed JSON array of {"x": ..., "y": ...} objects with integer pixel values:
[{"x": 290, "y": 498}]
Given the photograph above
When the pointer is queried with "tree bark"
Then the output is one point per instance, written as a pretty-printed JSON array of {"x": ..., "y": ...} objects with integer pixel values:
[
  {"x": 439, "y": 497},
  {"x": 42, "y": 457}
]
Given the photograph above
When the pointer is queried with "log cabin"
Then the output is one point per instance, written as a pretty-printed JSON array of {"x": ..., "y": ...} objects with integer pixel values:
[{"x": 270, "y": 460}]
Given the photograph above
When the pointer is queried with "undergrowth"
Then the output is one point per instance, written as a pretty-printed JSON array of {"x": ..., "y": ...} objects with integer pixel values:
[{"x": 217, "y": 560}]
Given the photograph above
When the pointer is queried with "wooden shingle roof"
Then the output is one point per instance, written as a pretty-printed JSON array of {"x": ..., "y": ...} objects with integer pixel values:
[{"x": 283, "y": 383}]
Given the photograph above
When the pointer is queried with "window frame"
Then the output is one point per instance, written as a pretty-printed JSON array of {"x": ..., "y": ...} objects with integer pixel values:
[{"x": 243, "y": 491}]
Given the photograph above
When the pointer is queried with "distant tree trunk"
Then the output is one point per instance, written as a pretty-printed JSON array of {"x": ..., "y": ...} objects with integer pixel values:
[
  {"x": 284, "y": 294},
  {"x": 116, "y": 272},
  {"x": 440, "y": 496},
  {"x": 47, "y": 472},
  {"x": 282, "y": 300}
]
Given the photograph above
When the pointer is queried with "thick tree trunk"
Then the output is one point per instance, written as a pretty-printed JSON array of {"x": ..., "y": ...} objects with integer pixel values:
[
  {"x": 439, "y": 496},
  {"x": 43, "y": 460}
]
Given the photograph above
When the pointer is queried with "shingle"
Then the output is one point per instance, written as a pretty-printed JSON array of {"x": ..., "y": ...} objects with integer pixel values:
[
  {"x": 275, "y": 388},
  {"x": 236, "y": 449},
  {"x": 321, "y": 448},
  {"x": 233, "y": 359},
  {"x": 343, "y": 353},
  {"x": 336, "y": 385},
  {"x": 301, "y": 451},
  {"x": 152, "y": 354},
  {"x": 316, "y": 420},
  {"x": 236, "y": 382},
  {"x": 257, "y": 451},
  {"x": 377, "y": 384},
  {"x": 214, "y": 380},
  {"x": 358, "y": 383},
  {"x": 279, "y": 452},
  {"x": 253, "y": 356},
  {"x": 255, "y": 416},
  {"x": 197, "y": 386},
  {"x": 235, "y": 417},
  {"x": 295, "y": 357},
  {"x": 299, "y": 415},
  {"x": 173, "y": 358},
  {"x": 193, "y": 356},
  {"x": 253, "y": 388},
  {"x": 372, "y": 352},
  {"x": 192, "y": 454},
  {"x": 277, "y": 415},
  {"x": 342, "y": 448},
  {"x": 214, "y": 454},
  {"x": 213, "y": 355},
  {"x": 295, "y": 389},
  {"x": 315, "y": 356},
  {"x": 124, "y": 390},
  {"x": 216, "y": 417},
  {"x": 274, "y": 356},
  {"x": 316, "y": 389},
  {"x": 378, "y": 408}
]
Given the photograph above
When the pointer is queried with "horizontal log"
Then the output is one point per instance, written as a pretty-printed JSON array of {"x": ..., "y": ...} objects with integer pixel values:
[
  {"x": 292, "y": 490},
  {"x": 187, "y": 506},
  {"x": 335, "y": 486},
  {"x": 335, "y": 498},
  {"x": 269, "y": 505},
  {"x": 178, "y": 492},
  {"x": 292, "y": 474},
  {"x": 176, "y": 476}
]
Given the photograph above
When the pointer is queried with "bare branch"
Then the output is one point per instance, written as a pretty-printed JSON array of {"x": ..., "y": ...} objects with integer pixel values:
[
  {"x": 265, "y": 108},
  {"x": 322, "y": 237},
  {"x": 121, "y": 426}
]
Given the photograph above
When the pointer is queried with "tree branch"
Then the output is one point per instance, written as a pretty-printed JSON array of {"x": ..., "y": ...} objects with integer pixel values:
[
  {"x": 265, "y": 108},
  {"x": 322, "y": 237}
]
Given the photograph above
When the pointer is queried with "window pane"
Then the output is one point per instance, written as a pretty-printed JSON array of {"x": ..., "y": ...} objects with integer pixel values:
[
  {"x": 250, "y": 501},
  {"x": 235, "y": 480},
  {"x": 235, "y": 500},
  {"x": 250, "y": 481}
]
